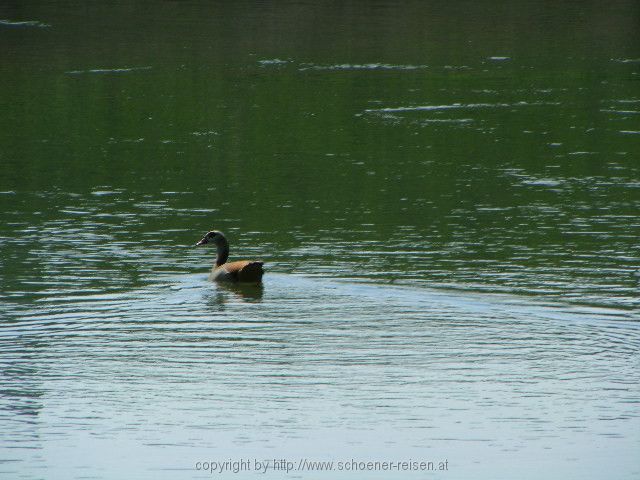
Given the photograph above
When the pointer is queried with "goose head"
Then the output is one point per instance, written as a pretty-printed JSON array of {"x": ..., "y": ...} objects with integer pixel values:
[{"x": 215, "y": 237}]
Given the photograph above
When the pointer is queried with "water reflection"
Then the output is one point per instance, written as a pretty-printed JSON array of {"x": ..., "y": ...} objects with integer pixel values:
[
  {"x": 224, "y": 293},
  {"x": 248, "y": 293}
]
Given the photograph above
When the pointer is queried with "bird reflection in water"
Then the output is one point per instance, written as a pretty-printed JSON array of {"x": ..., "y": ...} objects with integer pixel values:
[{"x": 224, "y": 293}]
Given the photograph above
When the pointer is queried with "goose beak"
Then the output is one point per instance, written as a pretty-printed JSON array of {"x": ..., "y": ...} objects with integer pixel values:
[{"x": 204, "y": 241}]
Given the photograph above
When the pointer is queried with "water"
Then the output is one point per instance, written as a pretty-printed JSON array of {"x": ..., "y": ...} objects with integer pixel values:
[{"x": 446, "y": 198}]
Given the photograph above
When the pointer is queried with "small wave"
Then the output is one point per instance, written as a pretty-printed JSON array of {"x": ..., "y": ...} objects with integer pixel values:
[
  {"x": 456, "y": 106},
  {"x": 204, "y": 133},
  {"x": 446, "y": 120},
  {"x": 272, "y": 61},
  {"x": 107, "y": 70},
  {"x": 626, "y": 60},
  {"x": 542, "y": 182},
  {"x": 620, "y": 112},
  {"x": 628, "y": 100},
  {"x": 101, "y": 193},
  {"x": 27, "y": 23},
  {"x": 362, "y": 66}
]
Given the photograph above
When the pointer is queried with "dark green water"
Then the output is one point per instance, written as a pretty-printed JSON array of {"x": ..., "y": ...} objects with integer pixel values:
[
  {"x": 457, "y": 150},
  {"x": 451, "y": 144}
]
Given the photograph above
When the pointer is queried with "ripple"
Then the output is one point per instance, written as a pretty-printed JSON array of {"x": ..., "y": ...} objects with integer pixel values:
[
  {"x": 626, "y": 60},
  {"x": 362, "y": 66},
  {"x": 305, "y": 357},
  {"x": 24, "y": 23},
  {"x": 108, "y": 70},
  {"x": 456, "y": 106},
  {"x": 273, "y": 61},
  {"x": 406, "y": 347}
]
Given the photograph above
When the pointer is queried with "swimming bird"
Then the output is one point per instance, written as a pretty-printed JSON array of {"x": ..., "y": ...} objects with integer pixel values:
[{"x": 242, "y": 271}]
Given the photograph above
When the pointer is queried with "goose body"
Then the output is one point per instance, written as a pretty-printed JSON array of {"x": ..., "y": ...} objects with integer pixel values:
[{"x": 242, "y": 271}]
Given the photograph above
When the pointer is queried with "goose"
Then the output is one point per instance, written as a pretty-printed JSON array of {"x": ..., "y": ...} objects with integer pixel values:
[{"x": 241, "y": 271}]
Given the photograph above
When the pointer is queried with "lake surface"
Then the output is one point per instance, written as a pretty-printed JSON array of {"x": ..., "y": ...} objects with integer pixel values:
[{"x": 446, "y": 197}]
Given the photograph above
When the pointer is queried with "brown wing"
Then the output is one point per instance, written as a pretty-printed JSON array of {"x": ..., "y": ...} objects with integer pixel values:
[{"x": 245, "y": 270}]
